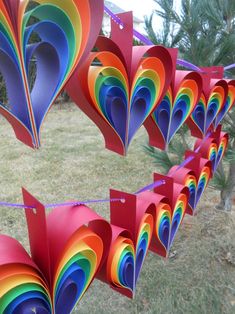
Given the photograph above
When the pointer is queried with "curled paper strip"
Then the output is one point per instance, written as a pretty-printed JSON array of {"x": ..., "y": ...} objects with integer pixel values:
[
  {"x": 123, "y": 87},
  {"x": 50, "y": 38}
]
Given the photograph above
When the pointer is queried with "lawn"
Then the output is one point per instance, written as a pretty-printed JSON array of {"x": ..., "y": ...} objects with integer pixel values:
[{"x": 73, "y": 164}]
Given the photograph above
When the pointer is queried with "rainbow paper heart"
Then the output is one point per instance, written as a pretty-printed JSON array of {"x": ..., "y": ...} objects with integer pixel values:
[
  {"x": 168, "y": 221},
  {"x": 194, "y": 173},
  {"x": 76, "y": 269},
  {"x": 121, "y": 264},
  {"x": 23, "y": 288},
  {"x": 208, "y": 109},
  {"x": 230, "y": 101},
  {"x": 126, "y": 258},
  {"x": 119, "y": 86},
  {"x": 174, "y": 109},
  {"x": 213, "y": 149},
  {"x": 196, "y": 188},
  {"x": 124, "y": 108},
  {"x": 68, "y": 248},
  {"x": 49, "y": 37}
]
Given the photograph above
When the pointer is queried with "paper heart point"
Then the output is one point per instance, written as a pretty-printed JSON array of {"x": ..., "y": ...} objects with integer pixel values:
[{"x": 47, "y": 38}]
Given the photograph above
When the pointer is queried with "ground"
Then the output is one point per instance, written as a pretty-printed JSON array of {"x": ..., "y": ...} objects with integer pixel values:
[{"x": 73, "y": 164}]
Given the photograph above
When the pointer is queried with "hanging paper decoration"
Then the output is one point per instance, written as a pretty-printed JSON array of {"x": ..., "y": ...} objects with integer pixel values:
[
  {"x": 195, "y": 175},
  {"x": 169, "y": 213},
  {"x": 229, "y": 103},
  {"x": 119, "y": 86},
  {"x": 214, "y": 147},
  {"x": 175, "y": 108},
  {"x": 132, "y": 224},
  {"x": 119, "y": 270},
  {"x": 212, "y": 102},
  {"x": 49, "y": 39},
  {"x": 68, "y": 247}
]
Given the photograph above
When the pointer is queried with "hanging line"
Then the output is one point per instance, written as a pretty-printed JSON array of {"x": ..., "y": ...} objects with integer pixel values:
[{"x": 228, "y": 67}]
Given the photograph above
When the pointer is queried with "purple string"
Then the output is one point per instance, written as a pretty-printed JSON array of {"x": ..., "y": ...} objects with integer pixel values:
[
  {"x": 83, "y": 202},
  {"x": 189, "y": 65},
  {"x": 15, "y": 205},
  {"x": 228, "y": 67},
  {"x": 151, "y": 186},
  {"x": 77, "y": 203},
  {"x": 142, "y": 38}
]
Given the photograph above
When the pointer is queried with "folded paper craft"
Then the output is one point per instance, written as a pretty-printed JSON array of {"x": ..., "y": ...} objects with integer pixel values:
[
  {"x": 175, "y": 108},
  {"x": 169, "y": 213},
  {"x": 214, "y": 147},
  {"x": 213, "y": 103},
  {"x": 119, "y": 86},
  {"x": 68, "y": 247},
  {"x": 195, "y": 175},
  {"x": 120, "y": 267},
  {"x": 229, "y": 103},
  {"x": 134, "y": 216},
  {"x": 48, "y": 37}
]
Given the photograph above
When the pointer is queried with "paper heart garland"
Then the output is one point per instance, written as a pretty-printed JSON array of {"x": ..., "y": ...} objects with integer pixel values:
[
  {"x": 119, "y": 86},
  {"x": 214, "y": 147},
  {"x": 132, "y": 235},
  {"x": 174, "y": 109},
  {"x": 52, "y": 37},
  {"x": 126, "y": 257},
  {"x": 213, "y": 104},
  {"x": 229, "y": 103},
  {"x": 195, "y": 175},
  {"x": 68, "y": 247},
  {"x": 169, "y": 213}
]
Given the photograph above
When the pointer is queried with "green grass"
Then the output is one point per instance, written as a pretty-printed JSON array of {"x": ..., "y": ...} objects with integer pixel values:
[{"x": 73, "y": 164}]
